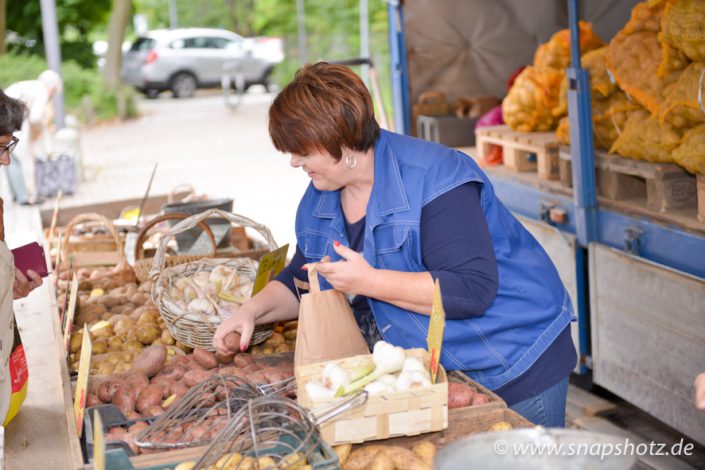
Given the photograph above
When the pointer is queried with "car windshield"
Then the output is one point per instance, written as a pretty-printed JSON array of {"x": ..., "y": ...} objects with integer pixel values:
[{"x": 142, "y": 44}]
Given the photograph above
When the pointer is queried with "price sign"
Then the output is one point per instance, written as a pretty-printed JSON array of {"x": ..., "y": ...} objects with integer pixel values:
[
  {"x": 269, "y": 266},
  {"x": 98, "y": 442},
  {"x": 69, "y": 313},
  {"x": 84, "y": 366},
  {"x": 436, "y": 326}
]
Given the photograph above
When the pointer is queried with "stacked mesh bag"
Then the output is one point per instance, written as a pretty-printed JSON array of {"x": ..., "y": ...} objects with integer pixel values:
[
  {"x": 657, "y": 62},
  {"x": 530, "y": 104}
]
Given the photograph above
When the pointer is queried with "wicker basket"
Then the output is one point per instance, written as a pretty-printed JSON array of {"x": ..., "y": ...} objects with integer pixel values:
[
  {"x": 144, "y": 265},
  {"x": 105, "y": 250},
  {"x": 193, "y": 329}
]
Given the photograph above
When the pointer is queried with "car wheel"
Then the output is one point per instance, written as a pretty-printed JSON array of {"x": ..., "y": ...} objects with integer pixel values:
[{"x": 183, "y": 85}]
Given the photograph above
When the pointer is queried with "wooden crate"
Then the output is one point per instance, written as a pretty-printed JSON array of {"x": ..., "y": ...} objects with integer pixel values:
[
  {"x": 522, "y": 151},
  {"x": 386, "y": 415}
]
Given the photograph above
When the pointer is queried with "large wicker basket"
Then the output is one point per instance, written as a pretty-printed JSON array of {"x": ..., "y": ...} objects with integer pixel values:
[
  {"x": 143, "y": 265},
  {"x": 196, "y": 330}
]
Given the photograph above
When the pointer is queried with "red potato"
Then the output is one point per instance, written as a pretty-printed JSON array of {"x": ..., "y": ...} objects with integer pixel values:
[
  {"x": 154, "y": 410},
  {"x": 275, "y": 375},
  {"x": 244, "y": 361},
  {"x": 115, "y": 433},
  {"x": 195, "y": 377},
  {"x": 459, "y": 395},
  {"x": 151, "y": 395},
  {"x": 137, "y": 380},
  {"x": 164, "y": 383},
  {"x": 257, "y": 377},
  {"x": 232, "y": 342},
  {"x": 151, "y": 360},
  {"x": 205, "y": 359},
  {"x": 173, "y": 372},
  {"x": 480, "y": 399},
  {"x": 224, "y": 358},
  {"x": 92, "y": 400},
  {"x": 124, "y": 399},
  {"x": 179, "y": 389},
  {"x": 132, "y": 415},
  {"x": 231, "y": 370},
  {"x": 129, "y": 439},
  {"x": 138, "y": 427},
  {"x": 107, "y": 389}
]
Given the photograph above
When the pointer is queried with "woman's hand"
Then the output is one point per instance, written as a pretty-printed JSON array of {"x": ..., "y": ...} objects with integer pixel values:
[
  {"x": 242, "y": 322},
  {"x": 352, "y": 275},
  {"x": 700, "y": 391},
  {"x": 23, "y": 286}
]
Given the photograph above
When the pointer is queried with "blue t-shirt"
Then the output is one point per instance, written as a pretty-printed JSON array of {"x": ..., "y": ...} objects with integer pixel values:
[{"x": 456, "y": 247}]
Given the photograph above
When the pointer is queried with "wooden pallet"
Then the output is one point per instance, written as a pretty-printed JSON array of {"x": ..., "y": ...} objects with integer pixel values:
[
  {"x": 663, "y": 186},
  {"x": 701, "y": 197},
  {"x": 522, "y": 151}
]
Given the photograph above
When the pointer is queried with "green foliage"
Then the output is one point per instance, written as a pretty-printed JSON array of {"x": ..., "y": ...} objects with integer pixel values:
[
  {"x": 78, "y": 83},
  {"x": 76, "y": 18}
]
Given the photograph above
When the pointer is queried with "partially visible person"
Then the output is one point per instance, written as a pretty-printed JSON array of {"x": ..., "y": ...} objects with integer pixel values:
[
  {"x": 35, "y": 131},
  {"x": 13, "y": 283},
  {"x": 700, "y": 391}
]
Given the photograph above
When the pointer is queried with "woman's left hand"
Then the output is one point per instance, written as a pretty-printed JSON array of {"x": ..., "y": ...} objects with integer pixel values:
[
  {"x": 351, "y": 275},
  {"x": 24, "y": 286}
]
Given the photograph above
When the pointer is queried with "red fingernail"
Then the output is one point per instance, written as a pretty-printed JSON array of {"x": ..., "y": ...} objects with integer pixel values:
[
  {"x": 244, "y": 348},
  {"x": 336, "y": 243},
  {"x": 305, "y": 268}
]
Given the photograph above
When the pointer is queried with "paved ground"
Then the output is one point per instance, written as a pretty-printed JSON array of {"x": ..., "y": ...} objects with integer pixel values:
[{"x": 200, "y": 141}]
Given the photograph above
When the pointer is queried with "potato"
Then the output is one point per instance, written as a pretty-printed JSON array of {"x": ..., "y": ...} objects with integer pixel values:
[
  {"x": 92, "y": 309},
  {"x": 187, "y": 465},
  {"x": 109, "y": 387},
  {"x": 115, "y": 343},
  {"x": 123, "y": 324},
  {"x": 231, "y": 370},
  {"x": 92, "y": 400},
  {"x": 224, "y": 358},
  {"x": 275, "y": 340},
  {"x": 232, "y": 342},
  {"x": 382, "y": 461},
  {"x": 480, "y": 399},
  {"x": 147, "y": 333},
  {"x": 244, "y": 360},
  {"x": 139, "y": 298},
  {"x": 115, "y": 433},
  {"x": 76, "y": 341},
  {"x": 167, "y": 338},
  {"x": 290, "y": 335},
  {"x": 100, "y": 346},
  {"x": 274, "y": 375},
  {"x": 184, "y": 347},
  {"x": 172, "y": 372},
  {"x": 129, "y": 439},
  {"x": 121, "y": 367},
  {"x": 282, "y": 348},
  {"x": 154, "y": 410},
  {"x": 501, "y": 426},
  {"x": 149, "y": 396},
  {"x": 150, "y": 361},
  {"x": 133, "y": 346},
  {"x": 266, "y": 462},
  {"x": 149, "y": 316},
  {"x": 110, "y": 301},
  {"x": 102, "y": 330},
  {"x": 459, "y": 395},
  {"x": 256, "y": 377},
  {"x": 205, "y": 359},
  {"x": 179, "y": 389},
  {"x": 124, "y": 399},
  {"x": 105, "y": 368},
  {"x": 426, "y": 450},
  {"x": 343, "y": 452},
  {"x": 194, "y": 377},
  {"x": 136, "y": 380},
  {"x": 229, "y": 461},
  {"x": 138, "y": 427}
]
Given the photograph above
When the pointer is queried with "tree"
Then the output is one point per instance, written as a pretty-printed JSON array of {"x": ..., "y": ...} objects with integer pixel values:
[{"x": 119, "y": 19}]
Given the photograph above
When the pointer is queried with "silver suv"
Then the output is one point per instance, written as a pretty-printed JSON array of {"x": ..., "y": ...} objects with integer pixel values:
[{"x": 182, "y": 60}]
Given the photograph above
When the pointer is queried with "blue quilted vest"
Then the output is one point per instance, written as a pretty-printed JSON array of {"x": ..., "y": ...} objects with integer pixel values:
[{"x": 532, "y": 306}]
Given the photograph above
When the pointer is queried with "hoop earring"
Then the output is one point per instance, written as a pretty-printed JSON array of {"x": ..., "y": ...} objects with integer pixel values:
[{"x": 351, "y": 161}]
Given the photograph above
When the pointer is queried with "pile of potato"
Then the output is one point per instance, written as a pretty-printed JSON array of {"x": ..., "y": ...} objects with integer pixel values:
[
  {"x": 282, "y": 340},
  {"x": 160, "y": 375},
  {"x": 375, "y": 456},
  {"x": 461, "y": 395}
]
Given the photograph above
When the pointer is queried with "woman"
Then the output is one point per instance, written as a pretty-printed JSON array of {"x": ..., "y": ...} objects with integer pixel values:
[
  {"x": 388, "y": 214},
  {"x": 13, "y": 283}
]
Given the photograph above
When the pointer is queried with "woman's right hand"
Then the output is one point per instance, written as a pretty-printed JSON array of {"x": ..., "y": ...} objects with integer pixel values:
[{"x": 241, "y": 322}]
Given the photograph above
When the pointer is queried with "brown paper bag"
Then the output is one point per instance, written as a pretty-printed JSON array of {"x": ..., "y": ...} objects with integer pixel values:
[{"x": 327, "y": 328}]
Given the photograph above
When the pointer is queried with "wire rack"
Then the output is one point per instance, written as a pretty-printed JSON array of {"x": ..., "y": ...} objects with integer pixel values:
[
  {"x": 200, "y": 415},
  {"x": 275, "y": 433}
]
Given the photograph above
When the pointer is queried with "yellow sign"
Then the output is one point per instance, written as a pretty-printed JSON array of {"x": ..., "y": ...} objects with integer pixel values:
[
  {"x": 84, "y": 366},
  {"x": 98, "y": 442},
  {"x": 436, "y": 326},
  {"x": 70, "y": 312},
  {"x": 269, "y": 266}
]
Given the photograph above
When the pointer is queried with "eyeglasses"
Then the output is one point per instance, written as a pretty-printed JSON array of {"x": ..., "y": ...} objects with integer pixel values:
[{"x": 9, "y": 147}]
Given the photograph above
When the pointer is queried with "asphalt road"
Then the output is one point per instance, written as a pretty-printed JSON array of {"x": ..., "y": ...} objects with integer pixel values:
[{"x": 219, "y": 151}]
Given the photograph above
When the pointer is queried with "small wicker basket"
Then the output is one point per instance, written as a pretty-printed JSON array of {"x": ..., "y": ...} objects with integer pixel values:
[{"x": 196, "y": 330}]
